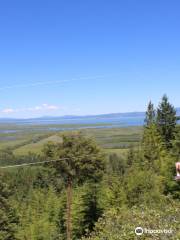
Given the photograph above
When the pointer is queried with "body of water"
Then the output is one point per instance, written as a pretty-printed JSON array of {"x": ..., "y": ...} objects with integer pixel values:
[
  {"x": 71, "y": 124},
  {"x": 121, "y": 121}
]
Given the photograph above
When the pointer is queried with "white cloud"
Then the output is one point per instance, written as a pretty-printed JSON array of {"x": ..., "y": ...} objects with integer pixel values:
[
  {"x": 43, "y": 107},
  {"x": 8, "y": 110},
  {"x": 50, "y": 107}
]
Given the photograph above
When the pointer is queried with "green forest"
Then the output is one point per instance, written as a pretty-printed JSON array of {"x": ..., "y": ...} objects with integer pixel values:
[{"x": 86, "y": 190}]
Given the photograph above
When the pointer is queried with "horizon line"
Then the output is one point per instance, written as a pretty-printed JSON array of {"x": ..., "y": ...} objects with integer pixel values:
[{"x": 69, "y": 115}]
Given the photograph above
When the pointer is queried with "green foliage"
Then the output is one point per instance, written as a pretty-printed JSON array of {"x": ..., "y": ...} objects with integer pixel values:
[
  {"x": 116, "y": 165},
  {"x": 38, "y": 215},
  {"x": 112, "y": 194},
  {"x": 92, "y": 209},
  {"x": 6, "y": 157},
  {"x": 81, "y": 158},
  {"x": 150, "y": 114},
  {"x": 143, "y": 186},
  {"x": 176, "y": 145},
  {"x": 166, "y": 121},
  {"x": 115, "y": 225},
  {"x": 130, "y": 157},
  {"x": 152, "y": 147},
  {"x": 171, "y": 187},
  {"x": 8, "y": 216},
  {"x": 86, "y": 209}
]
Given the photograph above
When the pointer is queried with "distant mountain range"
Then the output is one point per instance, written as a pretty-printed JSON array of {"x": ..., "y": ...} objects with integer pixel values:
[
  {"x": 138, "y": 115},
  {"x": 108, "y": 115}
]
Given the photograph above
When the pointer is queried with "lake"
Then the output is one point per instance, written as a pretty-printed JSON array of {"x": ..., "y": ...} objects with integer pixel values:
[{"x": 117, "y": 121}]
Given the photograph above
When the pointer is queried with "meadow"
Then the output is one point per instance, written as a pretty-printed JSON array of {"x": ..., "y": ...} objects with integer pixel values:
[{"x": 22, "y": 139}]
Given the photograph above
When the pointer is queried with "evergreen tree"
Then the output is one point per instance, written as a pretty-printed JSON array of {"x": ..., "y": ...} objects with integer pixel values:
[
  {"x": 152, "y": 148},
  {"x": 166, "y": 121},
  {"x": 91, "y": 209},
  {"x": 116, "y": 165},
  {"x": 150, "y": 114},
  {"x": 130, "y": 156},
  {"x": 38, "y": 215},
  {"x": 8, "y": 217},
  {"x": 176, "y": 145},
  {"x": 152, "y": 144},
  {"x": 81, "y": 160}
]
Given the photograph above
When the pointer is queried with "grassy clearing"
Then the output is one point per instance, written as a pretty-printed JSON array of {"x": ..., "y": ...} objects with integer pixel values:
[
  {"x": 38, "y": 146},
  {"x": 23, "y": 139},
  {"x": 116, "y": 138}
]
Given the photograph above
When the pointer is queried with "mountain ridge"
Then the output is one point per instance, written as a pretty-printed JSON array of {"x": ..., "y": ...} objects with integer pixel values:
[{"x": 98, "y": 116}]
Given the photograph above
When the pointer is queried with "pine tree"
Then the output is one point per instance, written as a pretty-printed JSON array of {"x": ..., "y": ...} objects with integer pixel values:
[
  {"x": 166, "y": 121},
  {"x": 91, "y": 209},
  {"x": 152, "y": 144},
  {"x": 176, "y": 145},
  {"x": 116, "y": 165},
  {"x": 150, "y": 114},
  {"x": 152, "y": 147},
  {"x": 130, "y": 156},
  {"x": 82, "y": 160},
  {"x": 8, "y": 217}
]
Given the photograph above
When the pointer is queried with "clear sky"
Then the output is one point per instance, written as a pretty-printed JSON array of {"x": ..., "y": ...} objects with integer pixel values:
[{"x": 80, "y": 57}]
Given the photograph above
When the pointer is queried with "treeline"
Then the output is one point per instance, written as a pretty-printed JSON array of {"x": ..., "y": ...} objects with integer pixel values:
[{"x": 89, "y": 195}]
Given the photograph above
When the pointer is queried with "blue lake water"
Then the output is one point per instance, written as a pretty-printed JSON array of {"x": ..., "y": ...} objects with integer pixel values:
[
  {"x": 121, "y": 121},
  {"x": 77, "y": 123}
]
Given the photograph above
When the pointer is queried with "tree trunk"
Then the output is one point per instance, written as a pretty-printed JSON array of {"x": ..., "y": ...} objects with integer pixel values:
[{"x": 69, "y": 203}]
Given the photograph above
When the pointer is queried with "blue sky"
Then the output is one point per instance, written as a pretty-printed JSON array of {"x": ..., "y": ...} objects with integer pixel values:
[{"x": 81, "y": 57}]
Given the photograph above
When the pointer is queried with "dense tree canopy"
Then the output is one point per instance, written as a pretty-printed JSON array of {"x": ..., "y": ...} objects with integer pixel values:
[
  {"x": 8, "y": 216},
  {"x": 80, "y": 160},
  {"x": 93, "y": 193}
]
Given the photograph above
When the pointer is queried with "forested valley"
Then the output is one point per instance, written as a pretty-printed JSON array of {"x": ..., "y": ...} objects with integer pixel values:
[{"x": 83, "y": 192}]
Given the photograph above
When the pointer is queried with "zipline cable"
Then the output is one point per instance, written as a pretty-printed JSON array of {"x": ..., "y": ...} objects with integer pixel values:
[
  {"x": 29, "y": 164},
  {"x": 35, "y": 163}
]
